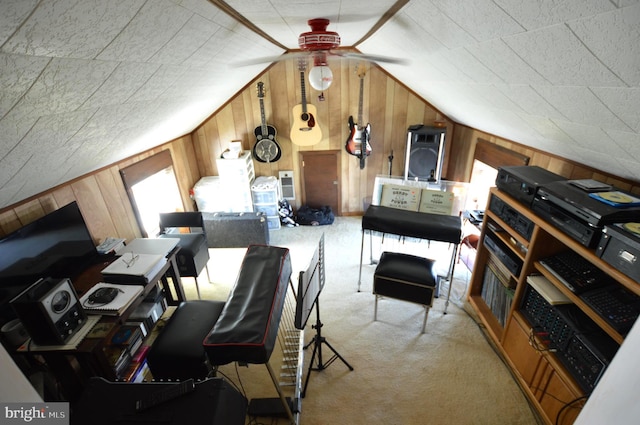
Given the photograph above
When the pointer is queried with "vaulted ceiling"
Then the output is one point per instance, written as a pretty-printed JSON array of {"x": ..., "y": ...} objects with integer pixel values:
[{"x": 85, "y": 83}]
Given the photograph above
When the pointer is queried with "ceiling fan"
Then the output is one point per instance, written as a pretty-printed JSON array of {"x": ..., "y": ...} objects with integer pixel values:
[{"x": 319, "y": 44}]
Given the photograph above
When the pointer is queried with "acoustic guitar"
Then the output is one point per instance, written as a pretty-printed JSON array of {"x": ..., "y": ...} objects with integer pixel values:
[
  {"x": 305, "y": 130},
  {"x": 266, "y": 148},
  {"x": 359, "y": 135}
]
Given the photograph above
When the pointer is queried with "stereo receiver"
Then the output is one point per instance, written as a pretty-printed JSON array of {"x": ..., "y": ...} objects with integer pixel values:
[{"x": 513, "y": 218}]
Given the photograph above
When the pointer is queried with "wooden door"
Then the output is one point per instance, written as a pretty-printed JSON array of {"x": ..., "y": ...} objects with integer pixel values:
[{"x": 320, "y": 181}]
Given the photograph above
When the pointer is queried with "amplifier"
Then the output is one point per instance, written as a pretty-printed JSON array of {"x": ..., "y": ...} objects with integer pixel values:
[
  {"x": 589, "y": 350},
  {"x": 543, "y": 316},
  {"x": 236, "y": 230},
  {"x": 522, "y": 181},
  {"x": 50, "y": 311},
  {"x": 583, "y": 348},
  {"x": 513, "y": 218}
]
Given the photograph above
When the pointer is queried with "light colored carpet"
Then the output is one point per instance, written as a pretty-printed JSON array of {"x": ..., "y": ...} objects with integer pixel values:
[{"x": 448, "y": 375}]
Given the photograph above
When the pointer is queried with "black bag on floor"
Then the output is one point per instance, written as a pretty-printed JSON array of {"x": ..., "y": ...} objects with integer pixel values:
[
  {"x": 315, "y": 216},
  {"x": 286, "y": 213}
]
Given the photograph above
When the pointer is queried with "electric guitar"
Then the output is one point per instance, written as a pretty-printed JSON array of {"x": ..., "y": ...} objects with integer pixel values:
[
  {"x": 305, "y": 130},
  {"x": 266, "y": 148},
  {"x": 359, "y": 135}
]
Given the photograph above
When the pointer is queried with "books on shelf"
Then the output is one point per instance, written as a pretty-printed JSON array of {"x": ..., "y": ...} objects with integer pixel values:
[
  {"x": 127, "y": 294},
  {"x": 128, "y": 336},
  {"x": 134, "y": 267},
  {"x": 119, "y": 358},
  {"x": 126, "y": 352}
]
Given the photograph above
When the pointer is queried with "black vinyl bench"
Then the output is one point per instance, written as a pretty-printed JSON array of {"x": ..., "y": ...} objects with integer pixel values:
[
  {"x": 202, "y": 334},
  {"x": 178, "y": 353},
  {"x": 405, "y": 277},
  {"x": 420, "y": 225}
]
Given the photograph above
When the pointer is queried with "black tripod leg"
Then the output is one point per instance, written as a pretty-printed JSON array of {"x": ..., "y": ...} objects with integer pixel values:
[
  {"x": 313, "y": 340},
  {"x": 317, "y": 342},
  {"x": 337, "y": 354}
]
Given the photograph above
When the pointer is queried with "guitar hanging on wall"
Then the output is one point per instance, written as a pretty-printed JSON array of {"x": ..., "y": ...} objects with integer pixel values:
[
  {"x": 266, "y": 148},
  {"x": 359, "y": 135},
  {"x": 305, "y": 130}
]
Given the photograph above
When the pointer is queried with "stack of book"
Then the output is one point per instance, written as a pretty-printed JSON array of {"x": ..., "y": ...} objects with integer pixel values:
[{"x": 123, "y": 349}]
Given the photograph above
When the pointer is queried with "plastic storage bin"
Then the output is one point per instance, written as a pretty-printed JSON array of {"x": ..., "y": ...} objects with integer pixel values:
[
  {"x": 213, "y": 194},
  {"x": 265, "y": 195}
]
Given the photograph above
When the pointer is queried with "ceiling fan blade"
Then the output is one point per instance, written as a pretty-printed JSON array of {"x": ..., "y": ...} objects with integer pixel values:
[
  {"x": 370, "y": 58},
  {"x": 269, "y": 59}
]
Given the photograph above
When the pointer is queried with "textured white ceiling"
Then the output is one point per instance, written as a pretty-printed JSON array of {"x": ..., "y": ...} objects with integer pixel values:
[{"x": 84, "y": 83}]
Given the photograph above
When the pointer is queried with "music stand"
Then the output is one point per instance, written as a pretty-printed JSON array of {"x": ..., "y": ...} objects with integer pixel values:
[{"x": 310, "y": 284}]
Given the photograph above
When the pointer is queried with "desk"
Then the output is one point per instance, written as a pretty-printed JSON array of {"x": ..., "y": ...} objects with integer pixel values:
[
  {"x": 74, "y": 366},
  {"x": 213, "y": 402},
  {"x": 435, "y": 227}
]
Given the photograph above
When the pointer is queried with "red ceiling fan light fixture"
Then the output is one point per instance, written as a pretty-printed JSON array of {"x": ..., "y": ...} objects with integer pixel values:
[
  {"x": 318, "y": 41},
  {"x": 318, "y": 38}
]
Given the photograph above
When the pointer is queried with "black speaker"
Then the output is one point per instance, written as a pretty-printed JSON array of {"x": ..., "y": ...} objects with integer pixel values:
[
  {"x": 425, "y": 153},
  {"x": 50, "y": 311}
]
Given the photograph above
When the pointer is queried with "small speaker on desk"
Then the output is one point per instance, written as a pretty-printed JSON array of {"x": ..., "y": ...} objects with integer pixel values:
[
  {"x": 424, "y": 153},
  {"x": 50, "y": 311}
]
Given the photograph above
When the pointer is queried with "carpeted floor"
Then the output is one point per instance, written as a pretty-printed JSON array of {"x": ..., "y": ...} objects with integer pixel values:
[{"x": 448, "y": 375}]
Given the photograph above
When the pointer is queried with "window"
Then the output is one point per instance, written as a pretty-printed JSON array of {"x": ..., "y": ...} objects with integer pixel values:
[
  {"x": 152, "y": 188},
  {"x": 483, "y": 177},
  {"x": 487, "y": 158}
]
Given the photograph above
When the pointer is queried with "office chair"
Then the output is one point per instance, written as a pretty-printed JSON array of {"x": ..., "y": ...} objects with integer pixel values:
[{"x": 194, "y": 252}]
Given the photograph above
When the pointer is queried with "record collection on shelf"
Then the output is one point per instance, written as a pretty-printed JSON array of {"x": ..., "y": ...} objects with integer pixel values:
[{"x": 497, "y": 290}]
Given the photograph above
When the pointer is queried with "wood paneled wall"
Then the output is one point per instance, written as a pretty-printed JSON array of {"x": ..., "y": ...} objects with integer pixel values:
[
  {"x": 388, "y": 106},
  {"x": 102, "y": 198},
  {"x": 465, "y": 138}
]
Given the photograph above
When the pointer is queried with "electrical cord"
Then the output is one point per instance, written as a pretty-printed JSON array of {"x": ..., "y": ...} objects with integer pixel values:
[
  {"x": 533, "y": 341},
  {"x": 568, "y": 406},
  {"x": 239, "y": 388}
]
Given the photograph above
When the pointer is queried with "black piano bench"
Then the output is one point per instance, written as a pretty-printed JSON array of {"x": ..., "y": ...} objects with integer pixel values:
[
  {"x": 405, "y": 277},
  {"x": 177, "y": 353}
]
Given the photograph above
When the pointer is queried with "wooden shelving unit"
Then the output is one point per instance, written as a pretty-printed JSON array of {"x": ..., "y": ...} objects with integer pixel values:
[{"x": 552, "y": 389}]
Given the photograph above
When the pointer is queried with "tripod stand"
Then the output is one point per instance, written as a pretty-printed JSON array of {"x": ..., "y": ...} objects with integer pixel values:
[{"x": 317, "y": 342}]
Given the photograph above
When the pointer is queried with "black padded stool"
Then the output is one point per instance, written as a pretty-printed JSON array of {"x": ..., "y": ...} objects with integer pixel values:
[
  {"x": 405, "y": 277},
  {"x": 177, "y": 352}
]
